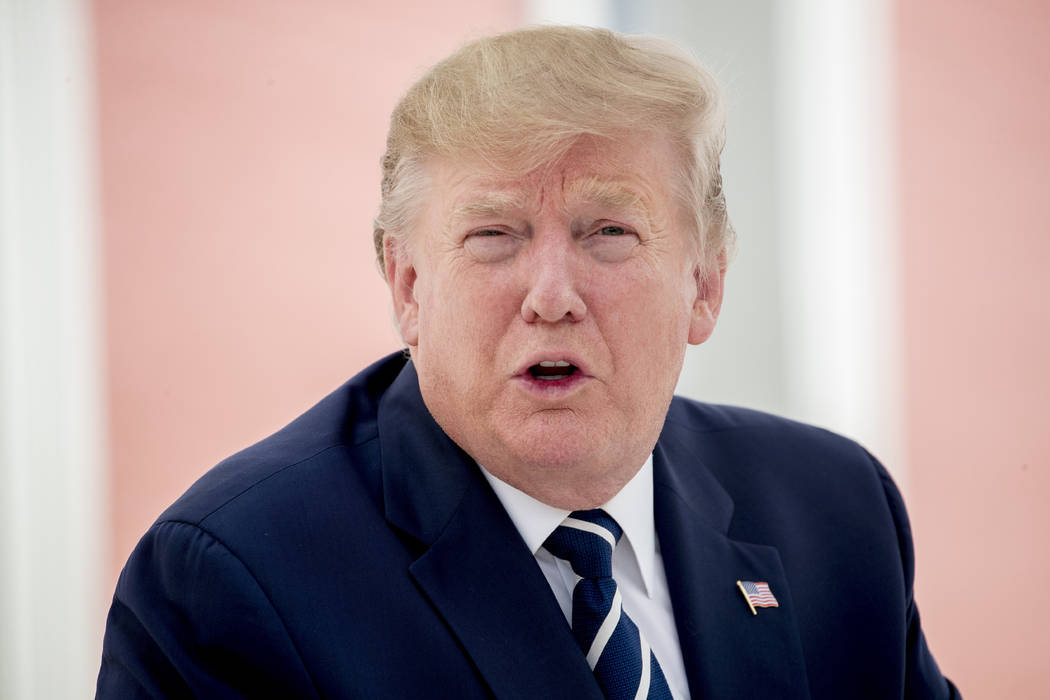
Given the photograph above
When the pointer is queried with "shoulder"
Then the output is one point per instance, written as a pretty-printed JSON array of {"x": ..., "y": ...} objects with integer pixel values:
[
  {"x": 216, "y": 596},
  {"x": 307, "y": 453},
  {"x": 754, "y": 437},
  {"x": 807, "y": 477}
]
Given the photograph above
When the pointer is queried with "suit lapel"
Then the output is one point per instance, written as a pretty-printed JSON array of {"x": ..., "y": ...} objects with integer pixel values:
[
  {"x": 483, "y": 581},
  {"x": 728, "y": 652},
  {"x": 475, "y": 569}
]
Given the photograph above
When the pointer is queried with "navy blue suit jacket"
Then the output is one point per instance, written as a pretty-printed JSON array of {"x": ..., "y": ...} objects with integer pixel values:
[{"x": 360, "y": 553}]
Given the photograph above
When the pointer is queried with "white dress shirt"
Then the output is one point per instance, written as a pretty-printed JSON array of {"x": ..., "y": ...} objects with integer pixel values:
[{"x": 637, "y": 564}]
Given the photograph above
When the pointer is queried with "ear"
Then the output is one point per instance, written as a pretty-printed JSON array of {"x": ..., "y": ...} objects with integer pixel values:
[
  {"x": 401, "y": 276},
  {"x": 710, "y": 283}
]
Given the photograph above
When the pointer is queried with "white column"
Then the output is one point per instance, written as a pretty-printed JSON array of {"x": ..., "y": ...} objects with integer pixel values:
[
  {"x": 838, "y": 246},
  {"x": 51, "y": 418},
  {"x": 592, "y": 13}
]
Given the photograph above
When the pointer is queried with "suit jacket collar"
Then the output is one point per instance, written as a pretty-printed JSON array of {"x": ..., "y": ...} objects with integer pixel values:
[
  {"x": 474, "y": 567},
  {"x": 425, "y": 474}
]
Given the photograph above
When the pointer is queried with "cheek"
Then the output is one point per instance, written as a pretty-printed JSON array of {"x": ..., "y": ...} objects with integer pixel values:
[
  {"x": 651, "y": 322},
  {"x": 647, "y": 296},
  {"x": 465, "y": 313}
]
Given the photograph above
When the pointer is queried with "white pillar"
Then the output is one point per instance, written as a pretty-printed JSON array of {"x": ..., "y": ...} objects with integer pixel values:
[
  {"x": 52, "y": 480},
  {"x": 841, "y": 336},
  {"x": 592, "y": 13}
]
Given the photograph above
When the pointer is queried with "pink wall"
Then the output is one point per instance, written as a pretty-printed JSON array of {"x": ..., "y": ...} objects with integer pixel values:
[
  {"x": 239, "y": 148},
  {"x": 975, "y": 217}
]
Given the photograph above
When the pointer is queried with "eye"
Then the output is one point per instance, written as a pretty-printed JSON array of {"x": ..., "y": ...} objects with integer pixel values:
[
  {"x": 611, "y": 242},
  {"x": 491, "y": 245}
]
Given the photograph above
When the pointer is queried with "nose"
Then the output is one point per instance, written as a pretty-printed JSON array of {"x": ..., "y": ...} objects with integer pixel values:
[{"x": 553, "y": 276}]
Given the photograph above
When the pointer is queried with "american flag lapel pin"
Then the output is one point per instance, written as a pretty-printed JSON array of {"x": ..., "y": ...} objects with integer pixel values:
[{"x": 757, "y": 595}]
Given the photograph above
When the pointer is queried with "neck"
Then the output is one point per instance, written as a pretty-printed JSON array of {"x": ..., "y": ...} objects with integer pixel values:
[{"x": 568, "y": 489}]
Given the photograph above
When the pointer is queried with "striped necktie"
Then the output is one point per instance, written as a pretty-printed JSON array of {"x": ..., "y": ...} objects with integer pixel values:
[{"x": 623, "y": 663}]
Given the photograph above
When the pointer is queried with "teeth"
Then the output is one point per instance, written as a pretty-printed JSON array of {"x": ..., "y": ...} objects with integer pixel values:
[{"x": 559, "y": 363}]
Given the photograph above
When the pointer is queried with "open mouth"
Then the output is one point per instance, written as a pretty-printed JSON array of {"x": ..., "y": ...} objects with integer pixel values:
[{"x": 550, "y": 371}]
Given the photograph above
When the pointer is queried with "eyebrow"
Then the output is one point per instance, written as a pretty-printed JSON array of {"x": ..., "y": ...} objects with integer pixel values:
[
  {"x": 489, "y": 205},
  {"x": 611, "y": 194},
  {"x": 607, "y": 194}
]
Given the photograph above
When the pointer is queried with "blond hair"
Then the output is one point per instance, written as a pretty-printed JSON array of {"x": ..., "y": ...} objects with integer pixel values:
[{"x": 519, "y": 100}]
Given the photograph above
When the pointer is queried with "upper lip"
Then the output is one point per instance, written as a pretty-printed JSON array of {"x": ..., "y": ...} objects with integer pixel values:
[{"x": 552, "y": 356}]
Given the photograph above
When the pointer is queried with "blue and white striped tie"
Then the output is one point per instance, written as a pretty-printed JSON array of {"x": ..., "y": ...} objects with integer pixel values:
[{"x": 621, "y": 659}]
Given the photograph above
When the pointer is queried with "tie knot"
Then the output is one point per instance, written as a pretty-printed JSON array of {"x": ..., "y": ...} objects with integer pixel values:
[{"x": 586, "y": 540}]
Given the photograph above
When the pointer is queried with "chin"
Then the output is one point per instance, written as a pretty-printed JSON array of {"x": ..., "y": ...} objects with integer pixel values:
[{"x": 557, "y": 447}]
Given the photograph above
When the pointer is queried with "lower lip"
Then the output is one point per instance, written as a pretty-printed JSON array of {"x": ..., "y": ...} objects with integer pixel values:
[{"x": 551, "y": 388}]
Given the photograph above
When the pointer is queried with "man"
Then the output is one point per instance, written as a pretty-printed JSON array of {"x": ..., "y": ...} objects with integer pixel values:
[{"x": 521, "y": 509}]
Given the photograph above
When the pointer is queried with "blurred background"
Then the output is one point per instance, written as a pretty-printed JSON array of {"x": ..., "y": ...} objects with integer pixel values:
[{"x": 186, "y": 196}]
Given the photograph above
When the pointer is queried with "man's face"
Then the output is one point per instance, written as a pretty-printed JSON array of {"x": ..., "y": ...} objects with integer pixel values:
[{"x": 548, "y": 315}]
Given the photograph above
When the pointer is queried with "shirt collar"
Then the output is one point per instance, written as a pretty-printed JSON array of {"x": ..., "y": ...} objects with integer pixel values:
[{"x": 632, "y": 508}]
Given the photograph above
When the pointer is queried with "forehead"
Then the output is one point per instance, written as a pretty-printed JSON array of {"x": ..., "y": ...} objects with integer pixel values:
[{"x": 632, "y": 174}]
